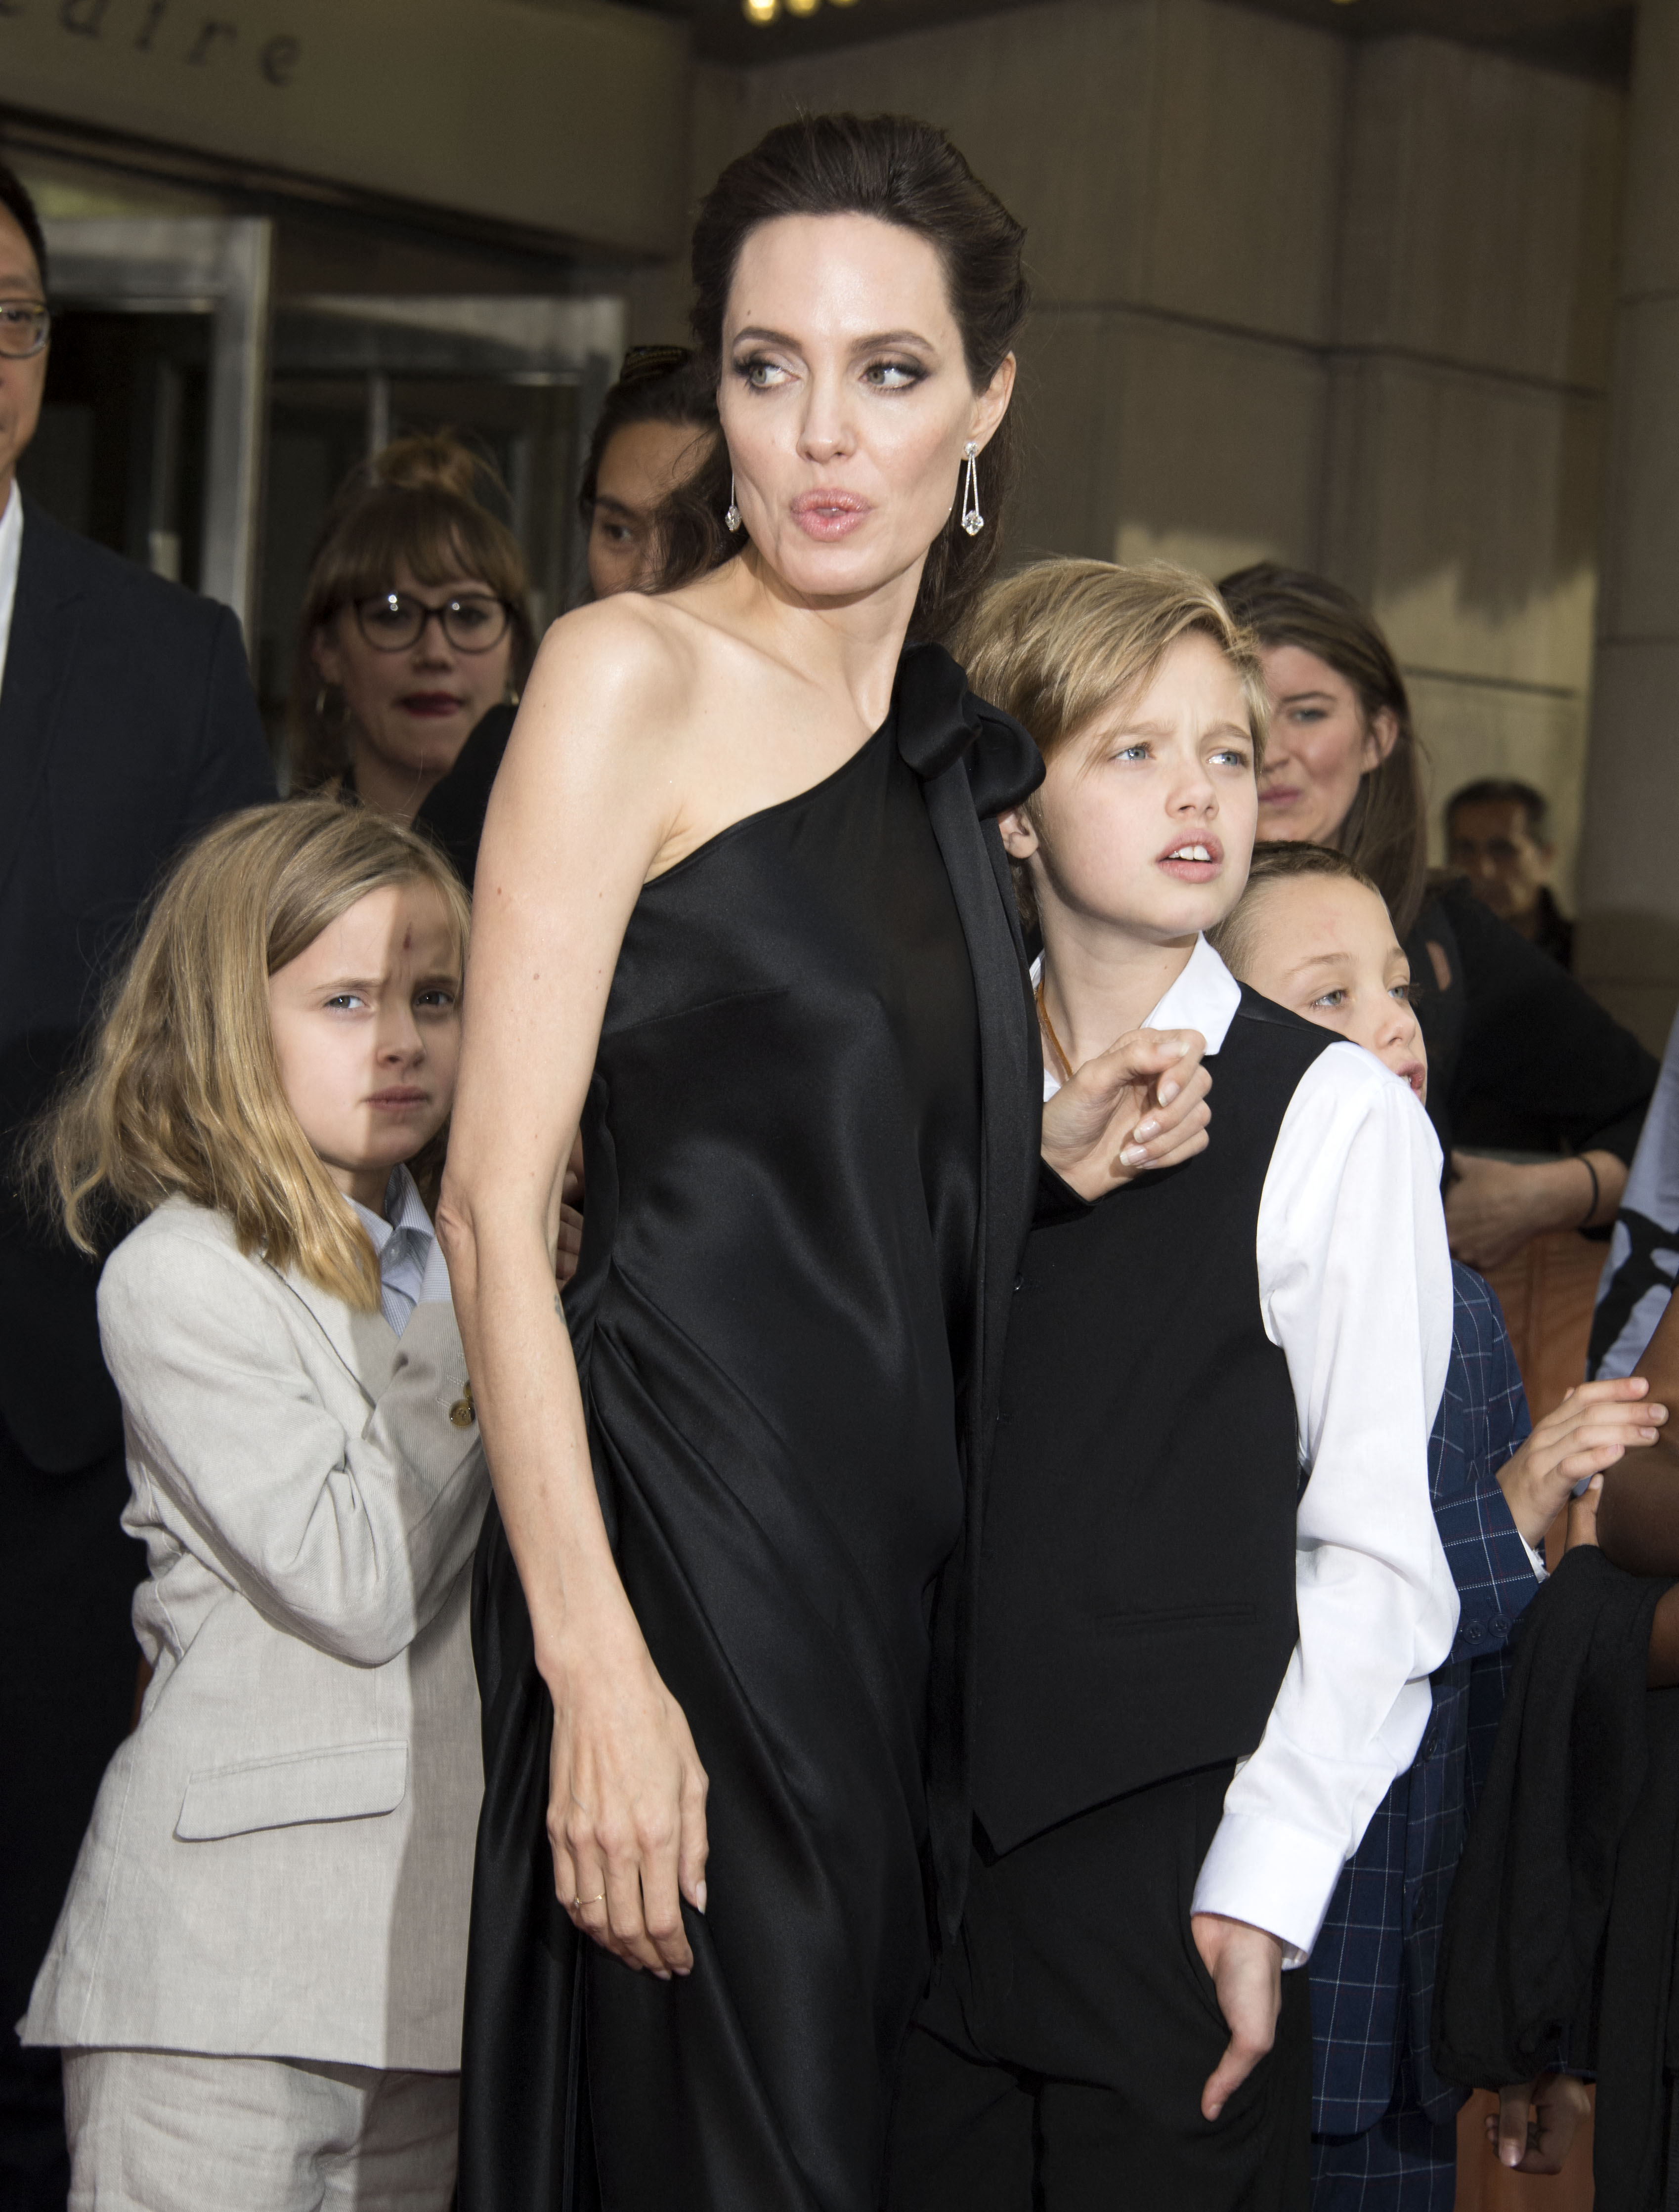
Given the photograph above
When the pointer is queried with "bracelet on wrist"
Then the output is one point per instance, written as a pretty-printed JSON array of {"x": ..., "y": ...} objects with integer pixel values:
[{"x": 1596, "y": 1192}]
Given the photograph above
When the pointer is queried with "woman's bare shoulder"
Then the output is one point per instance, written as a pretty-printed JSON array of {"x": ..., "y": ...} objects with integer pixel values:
[{"x": 631, "y": 654}]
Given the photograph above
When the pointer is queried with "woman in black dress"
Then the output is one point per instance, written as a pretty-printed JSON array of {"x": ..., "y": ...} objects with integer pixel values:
[
  {"x": 1521, "y": 1058},
  {"x": 738, "y": 916}
]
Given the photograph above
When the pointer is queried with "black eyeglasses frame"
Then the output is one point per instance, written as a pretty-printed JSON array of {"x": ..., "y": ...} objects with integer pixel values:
[{"x": 429, "y": 612}]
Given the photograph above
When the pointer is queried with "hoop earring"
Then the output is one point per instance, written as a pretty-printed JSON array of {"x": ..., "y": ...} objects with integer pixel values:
[
  {"x": 321, "y": 700},
  {"x": 972, "y": 521},
  {"x": 732, "y": 512}
]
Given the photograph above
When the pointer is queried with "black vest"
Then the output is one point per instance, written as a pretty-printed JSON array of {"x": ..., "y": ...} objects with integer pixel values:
[{"x": 1137, "y": 1579}]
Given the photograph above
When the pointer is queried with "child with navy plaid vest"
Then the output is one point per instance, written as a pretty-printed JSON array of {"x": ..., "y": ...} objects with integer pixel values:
[{"x": 1311, "y": 933}]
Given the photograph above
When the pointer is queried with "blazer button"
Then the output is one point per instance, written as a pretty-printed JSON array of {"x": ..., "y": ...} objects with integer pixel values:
[{"x": 461, "y": 1412}]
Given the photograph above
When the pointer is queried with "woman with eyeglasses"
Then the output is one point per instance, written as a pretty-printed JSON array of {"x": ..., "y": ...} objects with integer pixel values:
[{"x": 414, "y": 628}]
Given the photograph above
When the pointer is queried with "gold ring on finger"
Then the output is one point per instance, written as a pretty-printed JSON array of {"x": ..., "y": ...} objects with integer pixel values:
[{"x": 578, "y": 1902}]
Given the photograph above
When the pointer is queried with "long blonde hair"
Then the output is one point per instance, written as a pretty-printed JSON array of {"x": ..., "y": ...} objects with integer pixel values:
[{"x": 180, "y": 1092}]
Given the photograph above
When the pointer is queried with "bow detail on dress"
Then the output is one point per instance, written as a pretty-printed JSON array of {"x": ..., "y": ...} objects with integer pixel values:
[{"x": 940, "y": 722}]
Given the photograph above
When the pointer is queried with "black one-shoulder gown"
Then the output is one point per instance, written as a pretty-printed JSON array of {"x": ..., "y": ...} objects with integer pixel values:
[{"x": 811, "y": 1144}]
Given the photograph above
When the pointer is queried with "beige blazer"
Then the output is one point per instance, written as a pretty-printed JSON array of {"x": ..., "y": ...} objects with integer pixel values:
[{"x": 280, "y": 1860}]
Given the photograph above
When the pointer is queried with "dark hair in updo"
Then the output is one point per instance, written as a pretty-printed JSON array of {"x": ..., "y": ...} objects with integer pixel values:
[
  {"x": 901, "y": 171},
  {"x": 656, "y": 384}
]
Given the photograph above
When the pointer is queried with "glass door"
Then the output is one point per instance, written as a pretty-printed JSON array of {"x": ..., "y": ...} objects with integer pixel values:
[
  {"x": 519, "y": 380},
  {"x": 151, "y": 439}
]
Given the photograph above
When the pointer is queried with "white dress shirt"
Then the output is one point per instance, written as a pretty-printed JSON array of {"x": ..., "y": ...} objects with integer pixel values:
[
  {"x": 11, "y": 552},
  {"x": 411, "y": 1269},
  {"x": 1355, "y": 1287}
]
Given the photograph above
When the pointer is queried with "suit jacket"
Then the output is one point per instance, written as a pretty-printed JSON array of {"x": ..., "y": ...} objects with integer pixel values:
[
  {"x": 1372, "y": 1967},
  {"x": 280, "y": 1861},
  {"x": 126, "y": 725}
]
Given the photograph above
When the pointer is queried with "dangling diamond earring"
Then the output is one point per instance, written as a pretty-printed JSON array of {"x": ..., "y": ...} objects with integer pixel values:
[
  {"x": 732, "y": 512},
  {"x": 972, "y": 521}
]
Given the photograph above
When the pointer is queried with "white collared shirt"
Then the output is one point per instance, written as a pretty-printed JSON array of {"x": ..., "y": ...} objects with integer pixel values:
[
  {"x": 11, "y": 553},
  {"x": 411, "y": 1271},
  {"x": 1355, "y": 1287}
]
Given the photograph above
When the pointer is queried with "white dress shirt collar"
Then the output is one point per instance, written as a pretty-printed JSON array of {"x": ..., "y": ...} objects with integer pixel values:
[
  {"x": 11, "y": 553},
  {"x": 1205, "y": 997},
  {"x": 402, "y": 1237}
]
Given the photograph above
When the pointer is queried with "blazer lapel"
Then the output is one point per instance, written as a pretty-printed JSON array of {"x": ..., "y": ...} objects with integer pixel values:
[
  {"x": 46, "y": 617},
  {"x": 365, "y": 1342}
]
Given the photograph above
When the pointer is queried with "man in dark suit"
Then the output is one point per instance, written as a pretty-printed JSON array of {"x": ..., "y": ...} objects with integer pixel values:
[{"x": 127, "y": 723}]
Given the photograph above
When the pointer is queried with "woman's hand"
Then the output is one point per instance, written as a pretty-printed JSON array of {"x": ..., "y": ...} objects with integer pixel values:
[
  {"x": 626, "y": 1806},
  {"x": 1538, "y": 2121},
  {"x": 1596, "y": 1425},
  {"x": 1493, "y": 1207},
  {"x": 1140, "y": 1104}
]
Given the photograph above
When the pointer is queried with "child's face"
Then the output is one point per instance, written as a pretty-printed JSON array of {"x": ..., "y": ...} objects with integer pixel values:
[
  {"x": 366, "y": 1026},
  {"x": 1145, "y": 817},
  {"x": 1326, "y": 950}
]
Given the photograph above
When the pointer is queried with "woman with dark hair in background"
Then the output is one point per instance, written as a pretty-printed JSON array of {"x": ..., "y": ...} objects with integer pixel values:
[
  {"x": 413, "y": 640},
  {"x": 656, "y": 425},
  {"x": 1521, "y": 1058},
  {"x": 767, "y": 959}
]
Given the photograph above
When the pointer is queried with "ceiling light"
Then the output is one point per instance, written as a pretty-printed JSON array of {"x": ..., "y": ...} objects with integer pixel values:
[
  {"x": 802, "y": 7},
  {"x": 760, "y": 11}
]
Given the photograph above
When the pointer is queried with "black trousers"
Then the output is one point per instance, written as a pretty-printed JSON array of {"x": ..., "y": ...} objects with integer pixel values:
[
  {"x": 67, "y": 1683},
  {"x": 1059, "y": 2062}
]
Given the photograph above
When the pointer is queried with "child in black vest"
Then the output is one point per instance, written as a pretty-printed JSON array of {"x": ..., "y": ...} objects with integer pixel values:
[{"x": 1211, "y": 1589}]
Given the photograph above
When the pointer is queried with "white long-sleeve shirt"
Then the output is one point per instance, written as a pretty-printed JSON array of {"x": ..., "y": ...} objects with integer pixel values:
[
  {"x": 1355, "y": 1287},
  {"x": 12, "y": 555}
]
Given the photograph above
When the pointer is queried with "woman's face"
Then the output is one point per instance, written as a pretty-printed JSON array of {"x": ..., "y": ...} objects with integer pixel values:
[
  {"x": 412, "y": 710},
  {"x": 1320, "y": 746},
  {"x": 846, "y": 403},
  {"x": 643, "y": 464}
]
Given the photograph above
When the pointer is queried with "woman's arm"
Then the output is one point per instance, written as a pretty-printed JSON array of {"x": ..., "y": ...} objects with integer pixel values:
[
  {"x": 583, "y": 809},
  {"x": 1494, "y": 1206},
  {"x": 1638, "y": 1514}
]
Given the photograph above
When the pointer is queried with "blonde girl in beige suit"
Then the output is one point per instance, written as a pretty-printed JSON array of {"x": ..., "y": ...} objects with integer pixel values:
[{"x": 256, "y": 1977}]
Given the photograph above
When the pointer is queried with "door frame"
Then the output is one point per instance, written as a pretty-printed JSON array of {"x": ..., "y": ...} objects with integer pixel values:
[{"x": 214, "y": 265}]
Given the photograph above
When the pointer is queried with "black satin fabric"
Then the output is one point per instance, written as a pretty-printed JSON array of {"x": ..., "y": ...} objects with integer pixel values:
[{"x": 811, "y": 1146}]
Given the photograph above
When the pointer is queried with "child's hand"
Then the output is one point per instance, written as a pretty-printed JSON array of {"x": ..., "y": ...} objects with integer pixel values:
[
  {"x": 1142, "y": 1103},
  {"x": 1537, "y": 2122},
  {"x": 569, "y": 1246},
  {"x": 1596, "y": 1425},
  {"x": 1246, "y": 1966},
  {"x": 1583, "y": 1516}
]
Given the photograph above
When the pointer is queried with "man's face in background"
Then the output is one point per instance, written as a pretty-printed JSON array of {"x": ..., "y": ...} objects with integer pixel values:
[
  {"x": 21, "y": 382},
  {"x": 1490, "y": 842}
]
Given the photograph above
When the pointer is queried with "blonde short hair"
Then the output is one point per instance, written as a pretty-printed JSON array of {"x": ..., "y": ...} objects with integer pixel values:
[
  {"x": 180, "y": 1088},
  {"x": 1059, "y": 642}
]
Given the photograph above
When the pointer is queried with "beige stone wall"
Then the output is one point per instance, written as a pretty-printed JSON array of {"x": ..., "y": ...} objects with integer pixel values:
[{"x": 1342, "y": 305}]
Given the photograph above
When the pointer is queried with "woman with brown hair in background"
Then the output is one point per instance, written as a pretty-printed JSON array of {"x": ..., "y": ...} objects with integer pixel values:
[
  {"x": 1521, "y": 1058},
  {"x": 415, "y": 631}
]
